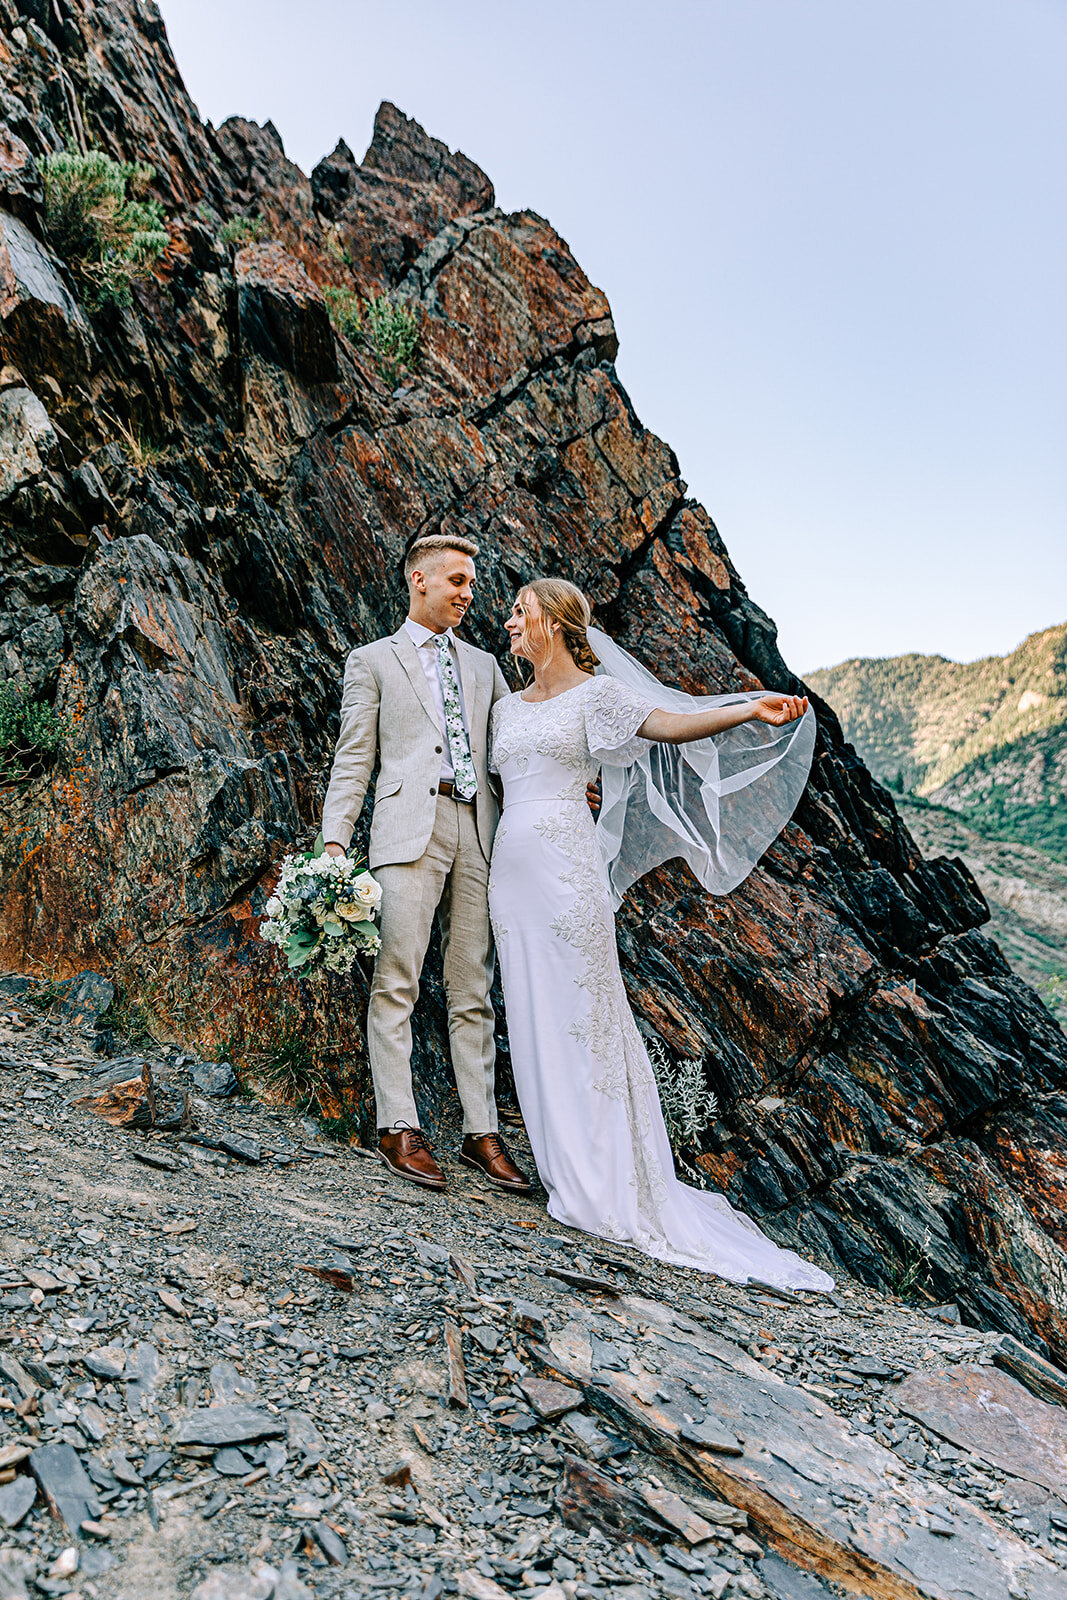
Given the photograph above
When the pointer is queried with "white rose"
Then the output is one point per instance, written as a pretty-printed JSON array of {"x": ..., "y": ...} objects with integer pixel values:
[
  {"x": 274, "y": 905},
  {"x": 367, "y": 891},
  {"x": 353, "y": 910}
]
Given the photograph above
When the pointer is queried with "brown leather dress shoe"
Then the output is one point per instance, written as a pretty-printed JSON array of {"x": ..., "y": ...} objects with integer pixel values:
[
  {"x": 405, "y": 1152},
  {"x": 485, "y": 1151}
]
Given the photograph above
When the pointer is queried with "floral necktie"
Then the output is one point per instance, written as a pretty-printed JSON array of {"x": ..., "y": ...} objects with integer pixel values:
[{"x": 458, "y": 745}]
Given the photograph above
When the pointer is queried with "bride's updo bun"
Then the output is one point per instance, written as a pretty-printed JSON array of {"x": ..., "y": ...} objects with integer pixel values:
[{"x": 564, "y": 603}]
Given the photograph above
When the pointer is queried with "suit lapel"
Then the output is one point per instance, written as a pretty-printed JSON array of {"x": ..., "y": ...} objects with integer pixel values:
[{"x": 407, "y": 654}]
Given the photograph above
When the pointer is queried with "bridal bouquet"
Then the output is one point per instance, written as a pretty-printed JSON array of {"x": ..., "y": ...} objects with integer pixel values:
[{"x": 322, "y": 912}]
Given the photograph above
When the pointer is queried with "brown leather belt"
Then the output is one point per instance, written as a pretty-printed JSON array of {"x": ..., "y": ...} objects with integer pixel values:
[{"x": 447, "y": 787}]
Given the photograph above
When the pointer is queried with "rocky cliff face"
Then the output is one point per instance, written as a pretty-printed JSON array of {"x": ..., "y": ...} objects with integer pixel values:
[{"x": 206, "y": 501}]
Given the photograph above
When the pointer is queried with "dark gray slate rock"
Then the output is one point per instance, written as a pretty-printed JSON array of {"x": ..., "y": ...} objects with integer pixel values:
[
  {"x": 16, "y": 1380},
  {"x": 65, "y": 1485},
  {"x": 16, "y": 1498},
  {"x": 85, "y": 998},
  {"x": 219, "y": 1425},
  {"x": 237, "y": 1144},
  {"x": 106, "y": 1362},
  {"x": 213, "y": 1077}
]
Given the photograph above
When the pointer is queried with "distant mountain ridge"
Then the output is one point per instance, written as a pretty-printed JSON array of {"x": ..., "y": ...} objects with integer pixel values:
[{"x": 988, "y": 738}]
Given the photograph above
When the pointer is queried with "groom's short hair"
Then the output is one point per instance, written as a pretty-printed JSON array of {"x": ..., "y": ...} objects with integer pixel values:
[{"x": 433, "y": 544}]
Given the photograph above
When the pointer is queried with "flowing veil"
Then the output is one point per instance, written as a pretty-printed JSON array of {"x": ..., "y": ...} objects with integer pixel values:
[{"x": 718, "y": 803}]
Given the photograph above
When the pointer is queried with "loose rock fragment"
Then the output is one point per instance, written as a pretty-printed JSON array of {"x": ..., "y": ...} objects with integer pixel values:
[
  {"x": 237, "y": 1144},
  {"x": 581, "y": 1280},
  {"x": 588, "y": 1499},
  {"x": 344, "y": 1282},
  {"x": 678, "y": 1513},
  {"x": 109, "y": 1361},
  {"x": 16, "y": 1498},
  {"x": 463, "y": 1273},
  {"x": 231, "y": 1462},
  {"x": 124, "y": 1095},
  {"x": 457, "y": 1371},
  {"x": 215, "y": 1078},
  {"x": 1038, "y": 1375},
  {"x": 330, "y": 1543},
  {"x": 530, "y": 1318},
  {"x": 219, "y": 1425},
  {"x": 17, "y": 1380},
  {"x": 479, "y": 1587},
  {"x": 155, "y": 1158},
  {"x": 550, "y": 1399},
  {"x": 17, "y": 1568},
  {"x": 65, "y": 1485}
]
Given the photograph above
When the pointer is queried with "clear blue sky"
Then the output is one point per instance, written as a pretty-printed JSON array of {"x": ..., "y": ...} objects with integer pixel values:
[{"x": 834, "y": 237}]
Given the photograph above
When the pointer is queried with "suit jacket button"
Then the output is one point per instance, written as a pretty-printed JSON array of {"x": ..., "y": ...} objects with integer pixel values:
[
  {"x": 433, "y": 791},
  {"x": 438, "y": 751}
]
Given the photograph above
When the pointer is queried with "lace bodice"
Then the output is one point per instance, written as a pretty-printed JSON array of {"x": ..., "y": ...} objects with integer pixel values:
[{"x": 553, "y": 748}]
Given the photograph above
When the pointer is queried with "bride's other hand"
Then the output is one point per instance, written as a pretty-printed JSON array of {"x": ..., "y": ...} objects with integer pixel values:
[
  {"x": 778, "y": 709},
  {"x": 592, "y": 795}
]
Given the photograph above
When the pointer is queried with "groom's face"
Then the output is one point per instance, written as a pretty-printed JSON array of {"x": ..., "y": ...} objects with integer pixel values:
[{"x": 442, "y": 590}]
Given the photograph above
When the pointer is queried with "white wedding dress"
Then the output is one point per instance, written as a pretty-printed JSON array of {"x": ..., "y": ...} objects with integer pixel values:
[{"x": 584, "y": 1081}]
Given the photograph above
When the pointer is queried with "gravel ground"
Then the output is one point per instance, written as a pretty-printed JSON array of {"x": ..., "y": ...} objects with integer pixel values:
[{"x": 214, "y": 1419}]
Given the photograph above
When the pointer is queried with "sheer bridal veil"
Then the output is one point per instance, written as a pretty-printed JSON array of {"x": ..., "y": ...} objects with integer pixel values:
[{"x": 718, "y": 803}]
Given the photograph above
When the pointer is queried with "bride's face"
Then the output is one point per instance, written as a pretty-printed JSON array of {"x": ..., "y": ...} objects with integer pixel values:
[{"x": 527, "y": 628}]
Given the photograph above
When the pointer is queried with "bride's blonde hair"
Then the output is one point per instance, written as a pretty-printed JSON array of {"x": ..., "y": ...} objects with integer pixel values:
[{"x": 566, "y": 605}]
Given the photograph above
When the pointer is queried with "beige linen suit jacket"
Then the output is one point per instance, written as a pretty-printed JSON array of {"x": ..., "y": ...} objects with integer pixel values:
[{"x": 388, "y": 711}]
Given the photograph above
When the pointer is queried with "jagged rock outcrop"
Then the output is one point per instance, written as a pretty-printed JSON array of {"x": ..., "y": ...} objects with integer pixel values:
[{"x": 223, "y": 515}]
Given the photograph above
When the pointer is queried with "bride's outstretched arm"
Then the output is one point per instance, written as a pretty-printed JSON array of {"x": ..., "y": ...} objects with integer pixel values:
[{"x": 673, "y": 727}]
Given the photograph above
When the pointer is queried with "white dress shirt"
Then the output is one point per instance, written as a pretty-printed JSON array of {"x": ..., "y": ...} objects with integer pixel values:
[{"x": 431, "y": 666}]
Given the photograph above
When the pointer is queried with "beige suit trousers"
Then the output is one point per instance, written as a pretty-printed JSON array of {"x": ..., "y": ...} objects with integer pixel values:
[{"x": 450, "y": 879}]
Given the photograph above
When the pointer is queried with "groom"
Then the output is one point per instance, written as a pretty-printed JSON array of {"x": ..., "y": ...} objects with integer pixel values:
[{"x": 419, "y": 701}]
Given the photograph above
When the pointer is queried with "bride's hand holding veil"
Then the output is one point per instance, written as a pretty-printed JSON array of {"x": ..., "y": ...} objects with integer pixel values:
[{"x": 778, "y": 709}]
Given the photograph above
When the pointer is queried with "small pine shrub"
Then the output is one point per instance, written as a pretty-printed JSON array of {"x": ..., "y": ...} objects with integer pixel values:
[
  {"x": 236, "y": 232},
  {"x": 107, "y": 236},
  {"x": 392, "y": 331},
  {"x": 689, "y": 1106},
  {"x": 31, "y": 735},
  {"x": 343, "y": 307}
]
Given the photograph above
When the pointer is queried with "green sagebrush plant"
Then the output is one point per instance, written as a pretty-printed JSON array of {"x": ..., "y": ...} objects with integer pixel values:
[
  {"x": 98, "y": 223},
  {"x": 390, "y": 331},
  {"x": 31, "y": 734},
  {"x": 236, "y": 232},
  {"x": 393, "y": 334},
  {"x": 343, "y": 307}
]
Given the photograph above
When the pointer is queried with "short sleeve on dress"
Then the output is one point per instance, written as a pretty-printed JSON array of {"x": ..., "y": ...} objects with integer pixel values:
[
  {"x": 494, "y": 718},
  {"x": 613, "y": 714}
]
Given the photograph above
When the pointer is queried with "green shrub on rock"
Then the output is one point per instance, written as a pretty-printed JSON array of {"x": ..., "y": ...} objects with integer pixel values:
[
  {"x": 31, "y": 734},
  {"x": 107, "y": 236},
  {"x": 236, "y": 232},
  {"x": 392, "y": 331},
  {"x": 343, "y": 307}
]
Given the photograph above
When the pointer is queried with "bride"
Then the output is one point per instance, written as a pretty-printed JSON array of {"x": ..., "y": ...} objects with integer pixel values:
[{"x": 710, "y": 779}]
